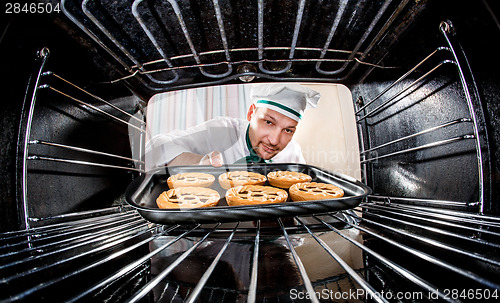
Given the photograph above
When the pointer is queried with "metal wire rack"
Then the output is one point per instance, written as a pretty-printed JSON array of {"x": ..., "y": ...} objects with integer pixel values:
[
  {"x": 96, "y": 106},
  {"x": 374, "y": 112},
  {"x": 92, "y": 244}
]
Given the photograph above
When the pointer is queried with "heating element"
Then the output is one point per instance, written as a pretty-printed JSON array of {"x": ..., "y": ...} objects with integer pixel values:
[
  {"x": 423, "y": 234},
  {"x": 139, "y": 36}
]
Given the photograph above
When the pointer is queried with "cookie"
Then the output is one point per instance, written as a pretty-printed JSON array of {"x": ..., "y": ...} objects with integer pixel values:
[
  {"x": 190, "y": 179},
  {"x": 238, "y": 178},
  {"x": 188, "y": 197},
  {"x": 285, "y": 179},
  {"x": 255, "y": 195},
  {"x": 314, "y": 191}
]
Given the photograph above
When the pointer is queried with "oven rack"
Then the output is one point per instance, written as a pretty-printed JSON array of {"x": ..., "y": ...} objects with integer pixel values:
[
  {"x": 339, "y": 284},
  {"x": 41, "y": 150},
  {"x": 90, "y": 244},
  {"x": 95, "y": 108},
  {"x": 380, "y": 151},
  {"x": 223, "y": 59}
]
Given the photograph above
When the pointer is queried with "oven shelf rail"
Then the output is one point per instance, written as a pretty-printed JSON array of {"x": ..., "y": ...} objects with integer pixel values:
[
  {"x": 40, "y": 150},
  {"x": 95, "y": 97},
  {"x": 85, "y": 150},
  {"x": 394, "y": 84},
  {"x": 95, "y": 108},
  {"x": 385, "y": 105},
  {"x": 129, "y": 124}
]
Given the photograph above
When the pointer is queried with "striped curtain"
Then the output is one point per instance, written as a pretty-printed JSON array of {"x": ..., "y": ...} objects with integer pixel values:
[{"x": 179, "y": 110}]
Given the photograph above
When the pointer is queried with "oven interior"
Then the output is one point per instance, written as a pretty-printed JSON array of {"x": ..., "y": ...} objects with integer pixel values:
[{"x": 424, "y": 86}]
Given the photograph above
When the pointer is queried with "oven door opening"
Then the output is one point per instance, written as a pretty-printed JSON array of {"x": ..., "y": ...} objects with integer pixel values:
[{"x": 403, "y": 126}]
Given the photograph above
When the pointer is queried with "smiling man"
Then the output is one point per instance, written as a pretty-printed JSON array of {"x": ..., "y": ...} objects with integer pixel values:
[{"x": 265, "y": 137}]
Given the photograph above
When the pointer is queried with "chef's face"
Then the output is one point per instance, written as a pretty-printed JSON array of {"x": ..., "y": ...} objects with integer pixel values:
[{"x": 270, "y": 132}]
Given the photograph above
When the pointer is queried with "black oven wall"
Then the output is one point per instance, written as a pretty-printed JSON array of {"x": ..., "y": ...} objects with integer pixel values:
[
  {"x": 448, "y": 172},
  {"x": 57, "y": 118}
]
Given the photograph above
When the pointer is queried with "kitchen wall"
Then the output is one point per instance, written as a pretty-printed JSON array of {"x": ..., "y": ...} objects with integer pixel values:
[{"x": 328, "y": 134}]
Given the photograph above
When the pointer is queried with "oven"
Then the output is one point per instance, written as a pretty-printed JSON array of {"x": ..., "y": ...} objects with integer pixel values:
[{"x": 422, "y": 84}]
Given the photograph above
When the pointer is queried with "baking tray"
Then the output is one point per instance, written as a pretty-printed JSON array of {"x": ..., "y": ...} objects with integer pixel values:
[{"x": 144, "y": 190}]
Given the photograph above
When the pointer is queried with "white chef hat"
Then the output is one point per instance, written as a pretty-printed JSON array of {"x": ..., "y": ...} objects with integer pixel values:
[{"x": 288, "y": 99}]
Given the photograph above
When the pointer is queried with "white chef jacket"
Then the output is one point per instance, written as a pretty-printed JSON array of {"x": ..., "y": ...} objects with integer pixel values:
[{"x": 224, "y": 134}]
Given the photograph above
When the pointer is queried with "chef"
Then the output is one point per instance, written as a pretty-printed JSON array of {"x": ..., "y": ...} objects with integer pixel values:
[{"x": 264, "y": 137}]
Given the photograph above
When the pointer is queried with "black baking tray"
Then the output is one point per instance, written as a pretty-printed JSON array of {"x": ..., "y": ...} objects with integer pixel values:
[{"x": 144, "y": 190}]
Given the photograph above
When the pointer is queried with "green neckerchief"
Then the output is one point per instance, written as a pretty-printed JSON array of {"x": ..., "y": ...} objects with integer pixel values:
[{"x": 253, "y": 158}]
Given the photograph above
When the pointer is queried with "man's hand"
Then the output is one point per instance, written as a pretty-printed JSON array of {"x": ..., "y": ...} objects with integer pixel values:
[{"x": 214, "y": 158}]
